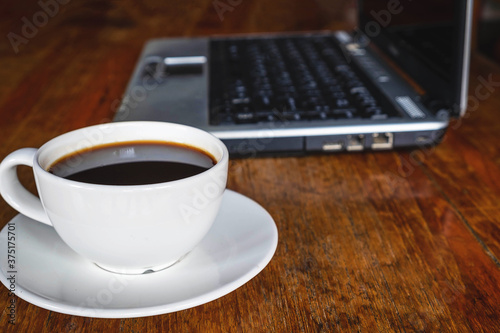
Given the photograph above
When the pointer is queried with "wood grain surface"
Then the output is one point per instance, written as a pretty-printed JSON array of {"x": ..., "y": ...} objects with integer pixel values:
[{"x": 404, "y": 241}]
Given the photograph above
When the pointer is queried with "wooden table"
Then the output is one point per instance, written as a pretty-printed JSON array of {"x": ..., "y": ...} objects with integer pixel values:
[{"x": 389, "y": 241}]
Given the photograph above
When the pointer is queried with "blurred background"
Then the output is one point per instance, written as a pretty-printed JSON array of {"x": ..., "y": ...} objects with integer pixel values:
[
  {"x": 488, "y": 29},
  {"x": 37, "y": 32}
]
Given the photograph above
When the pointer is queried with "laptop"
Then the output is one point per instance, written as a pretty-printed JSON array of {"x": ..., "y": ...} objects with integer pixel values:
[{"x": 393, "y": 82}]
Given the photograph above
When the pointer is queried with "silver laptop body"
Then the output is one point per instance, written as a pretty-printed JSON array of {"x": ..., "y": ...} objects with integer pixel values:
[{"x": 173, "y": 78}]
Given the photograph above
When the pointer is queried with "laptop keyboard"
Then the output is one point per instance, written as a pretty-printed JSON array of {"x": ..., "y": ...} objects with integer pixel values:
[{"x": 286, "y": 79}]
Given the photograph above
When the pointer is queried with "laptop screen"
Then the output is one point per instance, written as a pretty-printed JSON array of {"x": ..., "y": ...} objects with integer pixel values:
[{"x": 428, "y": 40}]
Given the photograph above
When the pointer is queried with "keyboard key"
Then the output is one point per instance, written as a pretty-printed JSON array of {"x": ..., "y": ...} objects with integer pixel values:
[
  {"x": 345, "y": 113},
  {"x": 342, "y": 103},
  {"x": 379, "y": 116},
  {"x": 245, "y": 117},
  {"x": 292, "y": 115},
  {"x": 240, "y": 100}
]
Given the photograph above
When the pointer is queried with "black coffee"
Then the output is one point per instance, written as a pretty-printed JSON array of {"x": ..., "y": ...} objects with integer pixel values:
[{"x": 133, "y": 163}]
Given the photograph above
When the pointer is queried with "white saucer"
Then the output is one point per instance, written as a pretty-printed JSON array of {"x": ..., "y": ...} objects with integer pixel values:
[{"x": 49, "y": 274}]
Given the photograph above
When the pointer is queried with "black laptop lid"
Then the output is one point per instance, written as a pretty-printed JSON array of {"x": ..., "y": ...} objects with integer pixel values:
[{"x": 428, "y": 39}]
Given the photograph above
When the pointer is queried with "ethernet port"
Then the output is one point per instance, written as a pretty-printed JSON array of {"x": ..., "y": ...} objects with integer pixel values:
[
  {"x": 355, "y": 142},
  {"x": 382, "y": 140}
]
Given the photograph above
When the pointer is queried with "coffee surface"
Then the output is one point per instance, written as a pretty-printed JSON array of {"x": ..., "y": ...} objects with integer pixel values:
[{"x": 133, "y": 163}]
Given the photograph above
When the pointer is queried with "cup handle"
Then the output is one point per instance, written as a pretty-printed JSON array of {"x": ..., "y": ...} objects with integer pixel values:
[{"x": 14, "y": 192}]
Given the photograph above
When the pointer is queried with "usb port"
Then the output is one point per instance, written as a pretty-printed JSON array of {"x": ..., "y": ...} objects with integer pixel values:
[
  {"x": 382, "y": 141},
  {"x": 333, "y": 146},
  {"x": 355, "y": 142}
]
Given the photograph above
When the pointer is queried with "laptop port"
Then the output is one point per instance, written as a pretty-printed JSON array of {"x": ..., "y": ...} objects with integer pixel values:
[
  {"x": 382, "y": 141},
  {"x": 332, "y": 146},
  {"x": 355, "y": 142},
  {"x": 423, "y": 139}
]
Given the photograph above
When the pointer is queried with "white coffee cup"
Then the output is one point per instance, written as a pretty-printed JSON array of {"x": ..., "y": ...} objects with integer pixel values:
[{"x": 128, "y": 229}]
